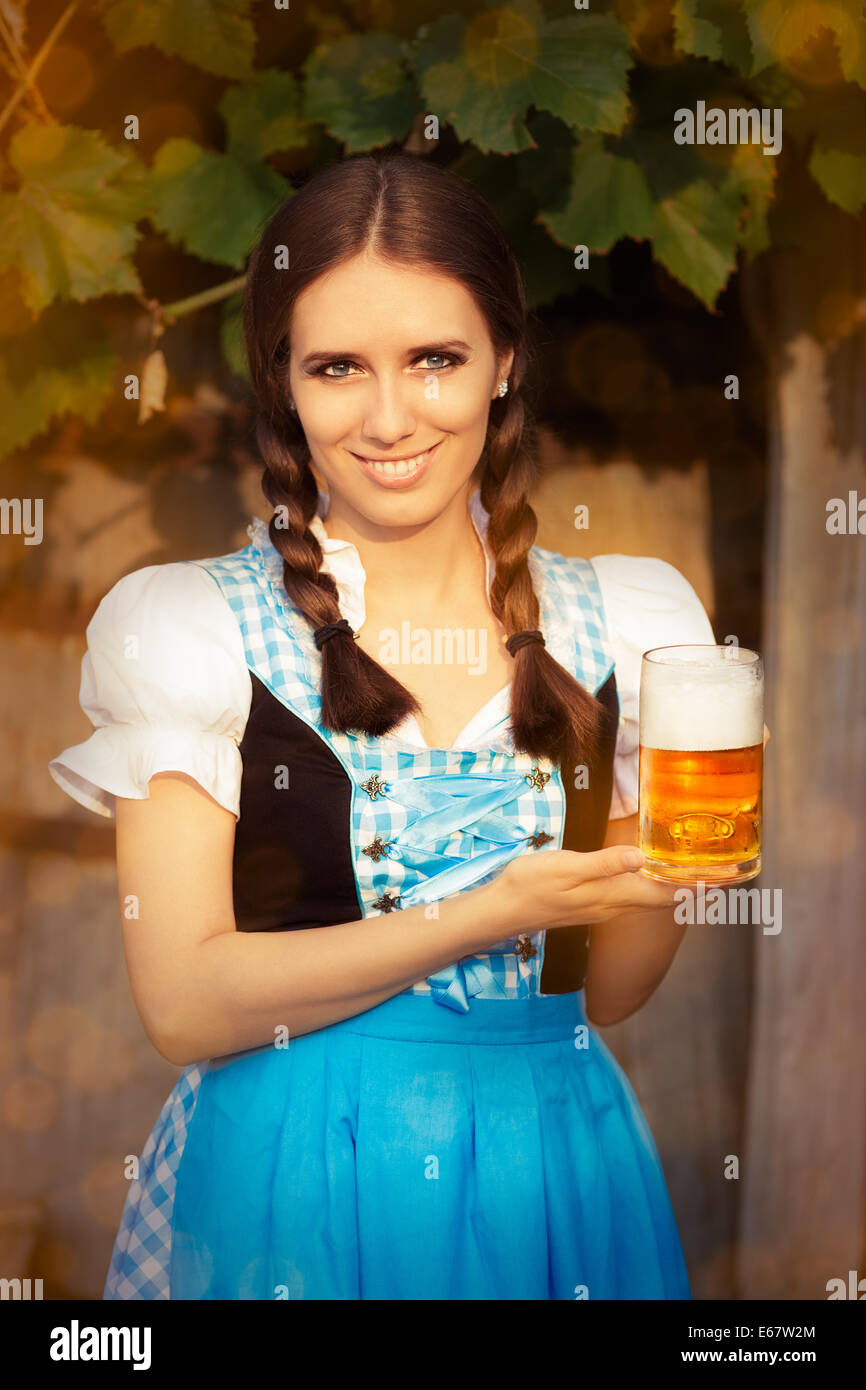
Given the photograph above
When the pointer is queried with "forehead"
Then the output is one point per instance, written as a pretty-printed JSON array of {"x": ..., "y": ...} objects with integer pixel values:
[{"x": 368, "y": 301}]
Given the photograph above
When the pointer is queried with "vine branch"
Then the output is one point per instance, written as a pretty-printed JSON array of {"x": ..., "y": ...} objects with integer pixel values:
[
  {"x": 170, "y": 312},
  {"x": 28, "y": 76},
  {"x": 17, "y": 67}
]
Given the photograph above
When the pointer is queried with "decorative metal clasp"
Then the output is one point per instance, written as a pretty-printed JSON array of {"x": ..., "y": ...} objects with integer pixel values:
[
  {"x": 524, "y": 948},
  {"x": 377, "y": 850},
  {"x": 540, "y": 838},
  {"x": 386, "y": 903},
  {"x": 374, "y": 786},
  {"x": 537, "y": 779}
]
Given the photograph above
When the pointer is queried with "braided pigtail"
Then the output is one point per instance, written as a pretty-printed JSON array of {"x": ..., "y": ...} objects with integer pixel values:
[
  {"x": 552, "y": 715},
  {"x": 357, "y": 693}
]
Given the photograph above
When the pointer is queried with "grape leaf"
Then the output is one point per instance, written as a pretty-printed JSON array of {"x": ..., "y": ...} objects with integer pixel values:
[
  {"x": 70, "y": 227},
  {"x": 842, "y": 177},
  {"x": 263, "y": 115},
  {"x": 778, "y": 29},
  {"x": 482, "y": 75},
  {"x": 213, "y": 204},
  {"x": 694, "y": 236},
  {"x": 61, "y": 364},
  {"x": 609, "y": 198},
  {"x": 232, "y": 337},
  {"x": 359, "y": 89},
  {"x": 713, "y": 29},
  {"x": 216, "y": 35},
  {"x": 751, "y": 180}
]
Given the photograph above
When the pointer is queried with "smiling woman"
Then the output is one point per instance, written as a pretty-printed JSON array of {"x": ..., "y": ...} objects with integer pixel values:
[{"x": 364, "y": 872}]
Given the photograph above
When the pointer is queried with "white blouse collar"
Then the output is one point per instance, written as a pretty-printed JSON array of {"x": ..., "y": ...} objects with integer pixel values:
[{"x": 341, "y": 559}]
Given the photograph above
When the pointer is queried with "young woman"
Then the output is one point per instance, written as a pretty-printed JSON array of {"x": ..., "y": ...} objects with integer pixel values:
[{"x": 374, "y": 778}]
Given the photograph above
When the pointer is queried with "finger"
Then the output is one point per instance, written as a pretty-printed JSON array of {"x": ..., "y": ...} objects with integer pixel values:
[
  {"x": 608, "y": 863},
  {"x": 766, "y": 735}
]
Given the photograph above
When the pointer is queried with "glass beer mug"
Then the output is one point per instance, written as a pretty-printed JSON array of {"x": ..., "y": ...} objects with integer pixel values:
[{"x": 701, "y": 763}]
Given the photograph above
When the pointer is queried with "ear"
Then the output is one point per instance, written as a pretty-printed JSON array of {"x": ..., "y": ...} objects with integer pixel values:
[{"x": 504, "y": 365}]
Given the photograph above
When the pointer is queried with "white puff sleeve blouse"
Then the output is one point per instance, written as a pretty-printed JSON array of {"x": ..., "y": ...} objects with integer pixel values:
[
  {"x": 647, "y": 603},
  {"x": 165, "y": 683}
]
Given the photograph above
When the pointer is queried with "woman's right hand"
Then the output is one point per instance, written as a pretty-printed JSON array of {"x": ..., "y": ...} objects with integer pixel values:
[{"x": 563, "y": 888}]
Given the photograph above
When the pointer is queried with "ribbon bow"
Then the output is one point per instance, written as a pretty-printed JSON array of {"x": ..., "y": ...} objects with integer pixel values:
[{"x": 453, "y": 985}]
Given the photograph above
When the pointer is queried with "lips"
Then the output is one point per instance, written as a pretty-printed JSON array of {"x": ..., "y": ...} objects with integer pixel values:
[{"x": 388, "y": 474}]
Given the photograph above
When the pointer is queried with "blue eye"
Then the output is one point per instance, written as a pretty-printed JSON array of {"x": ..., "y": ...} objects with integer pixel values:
[{"x": 447, "y": 359}]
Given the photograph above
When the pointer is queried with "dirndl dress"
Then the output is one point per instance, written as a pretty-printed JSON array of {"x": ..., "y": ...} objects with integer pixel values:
[{"x": 471, "y": 1137}]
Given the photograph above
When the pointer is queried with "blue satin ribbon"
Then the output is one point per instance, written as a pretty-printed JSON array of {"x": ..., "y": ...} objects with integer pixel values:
[
  {"x": 460, "y": 873},
  {"x": 453, "y": 985},
  {"x": 444, "y": 804},
  {"x": 467, "y": 804}
]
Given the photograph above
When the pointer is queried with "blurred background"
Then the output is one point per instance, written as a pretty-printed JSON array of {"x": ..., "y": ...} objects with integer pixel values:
[{"x": 698, "y": 319}]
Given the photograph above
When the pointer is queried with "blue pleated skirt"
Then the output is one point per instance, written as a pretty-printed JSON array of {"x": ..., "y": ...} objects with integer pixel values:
[{"x": 410, "y": 1152}]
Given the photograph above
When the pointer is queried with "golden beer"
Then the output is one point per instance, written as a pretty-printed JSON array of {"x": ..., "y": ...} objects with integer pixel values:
[{"x": 701, "y": 763}]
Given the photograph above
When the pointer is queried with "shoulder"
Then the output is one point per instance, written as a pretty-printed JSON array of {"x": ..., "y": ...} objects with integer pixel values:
[
  {"x": 164, "y": 683},
  {"x": 170, "y": 604},
  {"x": 165, "y": 637},
  {"x": 648, "y": 599}
]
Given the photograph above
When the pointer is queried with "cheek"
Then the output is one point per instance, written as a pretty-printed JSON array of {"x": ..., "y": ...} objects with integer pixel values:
[{"x": 326, "y": 422}]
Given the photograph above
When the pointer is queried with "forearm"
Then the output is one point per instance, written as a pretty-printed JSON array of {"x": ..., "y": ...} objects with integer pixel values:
[
  {"x": 241, "y": 987},
  {"x": 628, "y": 959}
]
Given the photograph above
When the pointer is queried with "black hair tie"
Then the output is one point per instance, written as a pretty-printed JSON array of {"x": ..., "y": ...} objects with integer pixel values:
[
  {"x": 520, "y": 639},
  {"x": 328, "y": 630}
]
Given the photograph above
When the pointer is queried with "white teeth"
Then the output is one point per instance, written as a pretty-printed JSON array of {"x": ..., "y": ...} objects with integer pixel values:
[{"x": 403, "y": 468}]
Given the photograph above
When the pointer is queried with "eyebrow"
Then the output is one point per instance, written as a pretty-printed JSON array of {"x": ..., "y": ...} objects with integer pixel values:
[{"x": 312, "y": 358}]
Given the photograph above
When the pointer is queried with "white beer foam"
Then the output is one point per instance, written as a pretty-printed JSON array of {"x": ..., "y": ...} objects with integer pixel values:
[{"x": 712, "y": 707}]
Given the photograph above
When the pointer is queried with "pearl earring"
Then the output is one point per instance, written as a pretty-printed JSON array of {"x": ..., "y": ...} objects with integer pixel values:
[{"x": 502, "y": 388}]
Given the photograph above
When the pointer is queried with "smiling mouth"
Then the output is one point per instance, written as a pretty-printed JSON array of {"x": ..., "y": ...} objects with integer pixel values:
[{"x": 397, "y": 470}]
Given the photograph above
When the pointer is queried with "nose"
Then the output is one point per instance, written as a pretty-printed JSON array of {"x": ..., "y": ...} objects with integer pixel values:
[{"x": 388, "y": 415}]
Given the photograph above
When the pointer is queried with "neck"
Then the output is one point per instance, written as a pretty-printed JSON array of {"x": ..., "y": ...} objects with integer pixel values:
[{"x": 414, "y": 566}]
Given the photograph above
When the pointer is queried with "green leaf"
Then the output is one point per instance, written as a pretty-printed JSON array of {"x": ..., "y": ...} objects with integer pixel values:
[
  {"x": 779, "y": 29},
  {"x": 71, "y": 226},
  {"x": 212, "y": 204},
  {"x": 751, "y": 180},
  {"x": 216, "y": 35},
  {"x": 841, "y": 176},
  {"x": 232, "y": 336},
  {"x": 263, "y": 116},
  {"x": 483, "y": 74},
  {"x": 609, "y": 199},
  {"x": 359, "y": 89},
  {"x": 713, "y": 29},
  {"x": 579, "y": 71},
  {"x": 61, "y": 364},
  {"x": 695, "y": 238}
]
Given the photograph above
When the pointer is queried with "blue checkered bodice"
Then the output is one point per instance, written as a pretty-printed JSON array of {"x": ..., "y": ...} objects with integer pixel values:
[{"x": 408, "y": 825}]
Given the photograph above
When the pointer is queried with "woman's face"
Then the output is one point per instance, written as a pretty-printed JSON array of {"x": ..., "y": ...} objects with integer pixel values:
[{"x": 391, "y": 365}]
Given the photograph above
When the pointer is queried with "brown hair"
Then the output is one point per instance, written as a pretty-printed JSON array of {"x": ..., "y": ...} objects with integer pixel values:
[{"x": 409, "y": 212}]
